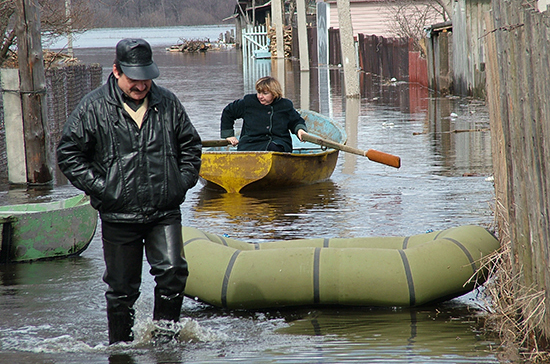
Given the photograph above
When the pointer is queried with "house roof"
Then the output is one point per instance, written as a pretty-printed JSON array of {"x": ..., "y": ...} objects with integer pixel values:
[{"x": 247, "y": 7}]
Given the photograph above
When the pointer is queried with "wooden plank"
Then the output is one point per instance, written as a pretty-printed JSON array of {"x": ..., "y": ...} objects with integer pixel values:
[
  {"x": 33, "y": 91},
  {"x": 302, "y": 35}
]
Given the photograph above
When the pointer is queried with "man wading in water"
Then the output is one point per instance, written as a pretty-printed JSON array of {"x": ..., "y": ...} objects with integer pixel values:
[{"x": 132, "y": 148}]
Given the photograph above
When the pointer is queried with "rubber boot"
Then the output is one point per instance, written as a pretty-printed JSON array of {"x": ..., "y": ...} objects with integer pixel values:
[
  {"x": 121, "y": 321},
  {"x": 166, "y": 316},
  {"x": 167, "y": 308}
]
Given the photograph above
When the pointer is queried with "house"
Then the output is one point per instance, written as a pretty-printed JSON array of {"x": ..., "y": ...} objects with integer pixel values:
[
  {"x": 386, "y": 18},
  {"x": 367, "y": 17}
]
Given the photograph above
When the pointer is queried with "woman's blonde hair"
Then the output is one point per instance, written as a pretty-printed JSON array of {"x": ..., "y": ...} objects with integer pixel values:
[{"x": 269, "y": 84}]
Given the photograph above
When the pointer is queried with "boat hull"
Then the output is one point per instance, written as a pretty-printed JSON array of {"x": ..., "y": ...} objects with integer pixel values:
[
  {"x": 46, "y": 230},
  {"x": 241, "y": 171},
  {"x": 384, "y": 271},
  {"x": 233, "y": 171}
]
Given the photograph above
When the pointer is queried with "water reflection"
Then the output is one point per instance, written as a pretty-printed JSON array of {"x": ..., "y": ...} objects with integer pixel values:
[
  {"x": 121, "y": 359},
  {"x": 398, "y": 335},
  {"x": 13, "y": 194},
  {"x": 253, "y": 69},
  {"x": 325, "y": 100},
  {"x": 353, "y": 106},
  {"x": 271, "y": 215},
  {"x": 304, "y": 88},
  {"x": 460, "y": 134},
  {"x": 278, "y": 71}
]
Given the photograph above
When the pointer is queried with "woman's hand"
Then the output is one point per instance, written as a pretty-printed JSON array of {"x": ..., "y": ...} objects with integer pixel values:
[
  {"x": 234, "y": 141},
  {"x": 300, "y": 133}
]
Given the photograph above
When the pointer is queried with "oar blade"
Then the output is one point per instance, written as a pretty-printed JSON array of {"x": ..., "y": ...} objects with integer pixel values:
[{"x": 384, "y": 158}]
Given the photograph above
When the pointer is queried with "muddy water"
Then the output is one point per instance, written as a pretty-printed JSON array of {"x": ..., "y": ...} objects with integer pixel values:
[{"x": 54, "y": 312}]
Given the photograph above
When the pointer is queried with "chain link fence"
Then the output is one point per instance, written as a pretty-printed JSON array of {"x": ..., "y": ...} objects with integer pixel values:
[{"x": 65, "y": 87}]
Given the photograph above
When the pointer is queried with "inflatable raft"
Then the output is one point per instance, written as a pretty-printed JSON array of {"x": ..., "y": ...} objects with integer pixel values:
[{"x": 372, "y": 271}]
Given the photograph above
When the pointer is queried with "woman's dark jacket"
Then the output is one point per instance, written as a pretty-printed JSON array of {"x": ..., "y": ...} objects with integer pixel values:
[
  {"x": 131, "y": 174},
  {"x": 262, "y": 124}
]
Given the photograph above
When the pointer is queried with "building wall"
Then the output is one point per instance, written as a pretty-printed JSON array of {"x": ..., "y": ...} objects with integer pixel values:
[
  {"x": 469, "y": 32},
  {"x": 375, "y": 17},
  {"x": 367, "y": 17}
]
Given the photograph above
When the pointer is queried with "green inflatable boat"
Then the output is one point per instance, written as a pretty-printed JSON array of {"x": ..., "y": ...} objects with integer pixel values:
[{"x": 372, "y": 271}]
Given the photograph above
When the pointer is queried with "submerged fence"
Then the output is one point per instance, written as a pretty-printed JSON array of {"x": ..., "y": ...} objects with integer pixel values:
[{"x": 383, "y": 57}]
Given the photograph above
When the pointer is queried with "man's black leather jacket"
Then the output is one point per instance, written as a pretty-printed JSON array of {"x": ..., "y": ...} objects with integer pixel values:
[{"x": 131, "y": 174}]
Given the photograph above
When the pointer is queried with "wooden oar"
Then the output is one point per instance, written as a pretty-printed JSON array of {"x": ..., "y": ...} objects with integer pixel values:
[
  {"x": 373, "y": 155},
  {"x": 215, "y": 143}
]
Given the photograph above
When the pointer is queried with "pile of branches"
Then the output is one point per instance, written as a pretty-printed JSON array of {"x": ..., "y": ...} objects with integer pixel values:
[
  {"x": 191, "y": 46},
  {"x": 51, "y": 60}
]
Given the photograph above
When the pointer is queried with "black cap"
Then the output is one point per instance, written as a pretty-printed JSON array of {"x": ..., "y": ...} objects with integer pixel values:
[{"x": 136, "y": 59}]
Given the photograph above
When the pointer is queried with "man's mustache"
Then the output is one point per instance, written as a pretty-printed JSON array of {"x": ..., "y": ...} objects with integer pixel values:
[{"x": 135, "y": 89}]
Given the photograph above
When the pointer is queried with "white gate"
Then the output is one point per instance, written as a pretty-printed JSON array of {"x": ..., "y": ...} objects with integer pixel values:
[
  {"x": 256, "y": 56},
  {"x": 255, "y": 42}
]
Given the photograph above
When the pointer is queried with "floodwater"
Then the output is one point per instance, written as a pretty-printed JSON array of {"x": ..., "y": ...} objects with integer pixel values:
[{"x": 54, "y": 311}]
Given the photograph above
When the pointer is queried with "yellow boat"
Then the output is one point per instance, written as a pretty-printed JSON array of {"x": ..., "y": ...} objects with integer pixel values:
[
  {"x": 371, "y": 271},
  {"x": 226, "y": 168}
]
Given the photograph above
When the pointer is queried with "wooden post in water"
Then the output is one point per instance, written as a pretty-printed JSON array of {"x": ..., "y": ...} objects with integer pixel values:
[
  {"x": 278, "y": 23},
  {"x": 33, "y": 91},
  {"x": 302, "y": 35},
  {"x": 349, "y": 59},
  {"x": 13, "y": 126},
  {"x": 323, "y": 15}
]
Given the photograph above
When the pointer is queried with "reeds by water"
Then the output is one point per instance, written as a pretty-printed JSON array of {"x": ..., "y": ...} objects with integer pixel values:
[{"x": 514, "y": 311}]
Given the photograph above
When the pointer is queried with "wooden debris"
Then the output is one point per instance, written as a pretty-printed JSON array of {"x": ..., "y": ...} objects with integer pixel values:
[
  {"x": 51, "y": 60},
  {"x": 287, "y": 36},
  {"x": 455, "y": 131},
  {"x": 191, "y": 46}
]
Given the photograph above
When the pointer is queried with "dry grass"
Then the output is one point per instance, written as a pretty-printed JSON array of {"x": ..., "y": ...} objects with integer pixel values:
[{"x": 515, "y": 312}]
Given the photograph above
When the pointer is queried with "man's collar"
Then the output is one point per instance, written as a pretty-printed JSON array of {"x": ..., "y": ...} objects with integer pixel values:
[{"x": 134, "y": 105}]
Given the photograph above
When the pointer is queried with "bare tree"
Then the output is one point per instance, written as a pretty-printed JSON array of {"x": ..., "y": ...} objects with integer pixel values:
[
  {"x": 150, "y": 13},
  {"x": 53, "y": 21},
  {"x": 7, "y": 10},
  {"x": 408, "y": 18}
]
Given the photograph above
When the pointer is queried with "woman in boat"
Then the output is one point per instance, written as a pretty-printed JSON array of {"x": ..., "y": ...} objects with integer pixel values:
[{"x": 268, "y": 119}]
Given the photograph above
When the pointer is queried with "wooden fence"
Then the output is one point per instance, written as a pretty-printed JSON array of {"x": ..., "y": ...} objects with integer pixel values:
[
  {"x": 384, "y": 57},
  {"x": 518, "y": 88}
]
